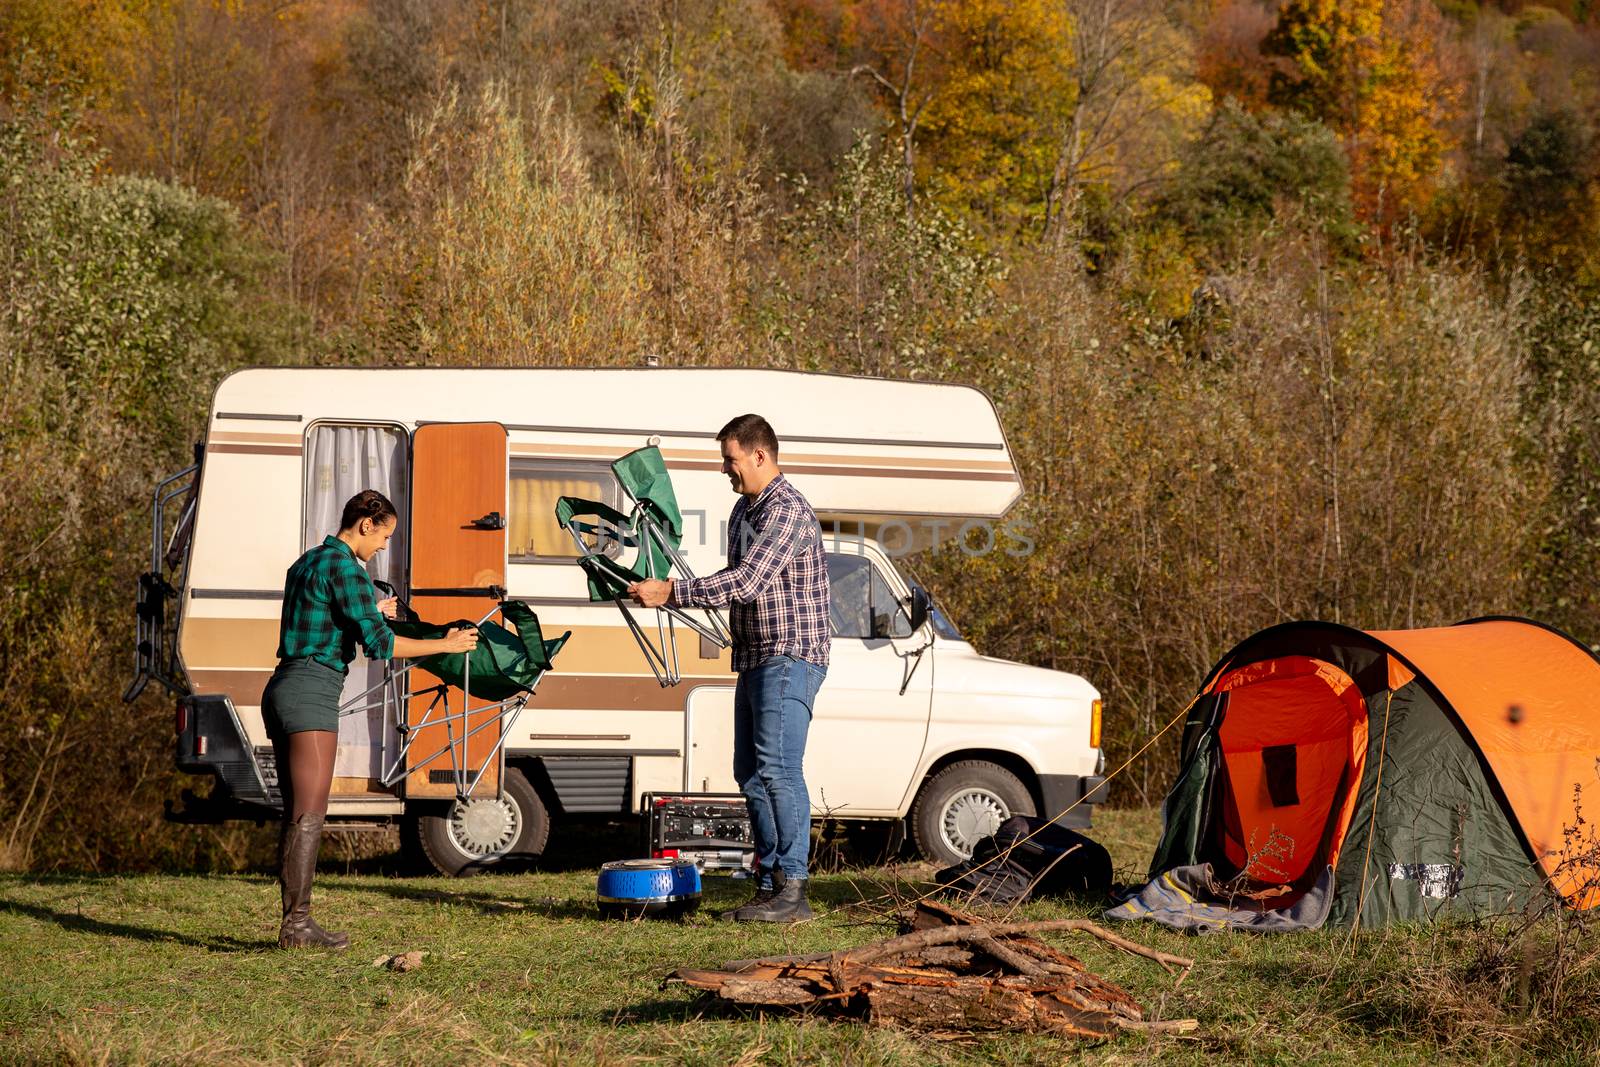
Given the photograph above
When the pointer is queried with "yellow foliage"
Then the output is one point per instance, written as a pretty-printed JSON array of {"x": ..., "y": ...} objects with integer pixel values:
[
  {"x": 511, "y": 254},
  {"x": 1372, "y": 70},
  {"x": 1006, "y": 93},
  {"x": 72, "y": 45}
]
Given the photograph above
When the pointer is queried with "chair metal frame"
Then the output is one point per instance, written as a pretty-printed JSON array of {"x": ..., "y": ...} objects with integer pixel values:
[
  {"x": 394, "y": 694},
  {"x": 643, "y": 532}
]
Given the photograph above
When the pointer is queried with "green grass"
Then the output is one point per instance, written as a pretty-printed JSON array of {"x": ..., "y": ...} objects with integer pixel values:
[{"x": 179, "y": 968}]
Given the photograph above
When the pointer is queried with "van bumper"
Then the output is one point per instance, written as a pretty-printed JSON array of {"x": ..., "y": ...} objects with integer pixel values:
[
  {"x": 211, "y": 740},
  {"x": 1058, "y": 792}
]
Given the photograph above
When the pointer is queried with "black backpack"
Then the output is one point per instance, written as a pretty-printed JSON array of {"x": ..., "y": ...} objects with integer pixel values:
[{"x": 1059, "y": 860}]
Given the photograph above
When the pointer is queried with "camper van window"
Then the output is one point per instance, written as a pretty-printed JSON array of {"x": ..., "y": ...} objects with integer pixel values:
[
  {"x": 536, "y": 484},
  {"x": 861, "y": 603}
]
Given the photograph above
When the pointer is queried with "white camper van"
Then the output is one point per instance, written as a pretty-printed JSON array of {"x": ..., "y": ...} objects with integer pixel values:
[{"x": 913, "y": 728}]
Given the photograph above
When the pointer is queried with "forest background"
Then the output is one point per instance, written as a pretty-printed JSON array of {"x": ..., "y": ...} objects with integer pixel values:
[{"x": 1291, "y": 310}]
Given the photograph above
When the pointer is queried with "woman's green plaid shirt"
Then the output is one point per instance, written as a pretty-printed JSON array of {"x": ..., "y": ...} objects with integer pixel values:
[{"x": 328, "y": 608}]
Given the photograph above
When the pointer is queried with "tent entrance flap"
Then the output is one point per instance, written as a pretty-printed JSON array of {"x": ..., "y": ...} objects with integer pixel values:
[{"x": 1293, "y": 743}]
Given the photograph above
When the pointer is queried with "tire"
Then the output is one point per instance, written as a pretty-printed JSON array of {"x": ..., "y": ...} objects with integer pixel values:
[
  {"x": 963, "y": 804},
  {"x": 484, "y": 832}
]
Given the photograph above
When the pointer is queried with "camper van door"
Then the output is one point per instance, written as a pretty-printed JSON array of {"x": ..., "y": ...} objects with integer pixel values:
[
  {"x": 458, "y": 568},
  {"x": 866, "y": 735}
]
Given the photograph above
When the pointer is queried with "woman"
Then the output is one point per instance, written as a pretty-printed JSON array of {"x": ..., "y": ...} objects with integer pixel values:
[{"x": 328, "y": 607}]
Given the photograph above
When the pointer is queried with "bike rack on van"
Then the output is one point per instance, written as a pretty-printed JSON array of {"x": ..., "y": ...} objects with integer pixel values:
[{"x": 156, "y": 657}]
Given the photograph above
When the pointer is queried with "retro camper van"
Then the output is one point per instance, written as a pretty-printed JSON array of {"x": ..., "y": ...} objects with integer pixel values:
[{"x": 913, "y": 728}]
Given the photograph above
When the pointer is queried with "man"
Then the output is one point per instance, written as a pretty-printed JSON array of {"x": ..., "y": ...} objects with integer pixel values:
[{"x": 775, "y": 588}]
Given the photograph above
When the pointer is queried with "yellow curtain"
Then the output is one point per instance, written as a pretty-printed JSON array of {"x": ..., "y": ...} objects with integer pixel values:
[{"x": 533, "y": 528}]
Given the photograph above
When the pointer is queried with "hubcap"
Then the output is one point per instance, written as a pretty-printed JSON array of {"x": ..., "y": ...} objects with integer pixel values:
[
  {"x": 484, "y": 827},
  {"x": 969, "y": 817}
]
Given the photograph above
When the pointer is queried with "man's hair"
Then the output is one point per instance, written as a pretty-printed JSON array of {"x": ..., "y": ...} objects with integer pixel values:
[
  {"x": 752, "y": 432},
  {"x": 367, "y": 504}
]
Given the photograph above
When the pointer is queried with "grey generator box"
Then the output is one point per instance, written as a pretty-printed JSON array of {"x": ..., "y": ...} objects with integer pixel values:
[{"x": 711, "y": 830}]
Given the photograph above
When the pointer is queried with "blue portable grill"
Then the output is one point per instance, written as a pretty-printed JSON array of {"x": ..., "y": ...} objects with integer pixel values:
[{"x": 664, "y": 888}]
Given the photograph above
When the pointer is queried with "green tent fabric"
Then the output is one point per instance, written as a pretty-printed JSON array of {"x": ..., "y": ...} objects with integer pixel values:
[{"x": 505, "y": 663}]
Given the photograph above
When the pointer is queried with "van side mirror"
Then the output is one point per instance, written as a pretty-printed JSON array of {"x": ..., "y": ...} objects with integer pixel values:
[{"x": 921, "y": 604}]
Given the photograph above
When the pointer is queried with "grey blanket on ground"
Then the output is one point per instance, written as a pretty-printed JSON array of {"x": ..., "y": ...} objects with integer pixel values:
[{"x": 1189, "y": 899}]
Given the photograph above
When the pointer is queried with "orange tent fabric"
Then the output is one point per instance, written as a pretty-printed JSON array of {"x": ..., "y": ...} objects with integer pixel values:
[
  {"x": 1530, "y": 698},
  {"x": 1315, "y": 708}
]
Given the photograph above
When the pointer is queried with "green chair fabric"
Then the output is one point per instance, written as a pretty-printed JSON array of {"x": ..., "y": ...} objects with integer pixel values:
[
  {"x": 643, "y": 476},
  {"x": 656, "y": 521},
  {"x": 654, "y": 527},
  {"x": 505, "y": 663}
]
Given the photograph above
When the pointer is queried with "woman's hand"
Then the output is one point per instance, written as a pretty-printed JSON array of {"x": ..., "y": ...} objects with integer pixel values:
[
  {"x": 461, "y": 639},
  {"x": 387, "y": 607}
]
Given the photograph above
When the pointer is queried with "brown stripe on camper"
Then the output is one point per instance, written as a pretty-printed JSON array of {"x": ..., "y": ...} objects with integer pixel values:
[
  {"x": 253, "y": 450},
  {"x": 230, "y": 643},
  {"x": 246, "y": 437},
  {"x": 242, "y": 687},
  {"x": 868, "y": 472},
  {"x": 619, "y": 693},
  {"x": 226, "y": 644},
  {"x": 246, "y": 443},
  {"x": 577, "y": 692}
]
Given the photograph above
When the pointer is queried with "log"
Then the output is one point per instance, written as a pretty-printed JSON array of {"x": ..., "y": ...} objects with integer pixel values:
[
  {"x": 952, "y": 972},
  {"x": 1017, "y": 961},
  {"x": 979, "y": 1004},
  {"x": 775, "y": 992}
]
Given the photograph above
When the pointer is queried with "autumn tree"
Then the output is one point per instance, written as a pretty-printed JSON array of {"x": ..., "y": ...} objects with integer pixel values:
[
  {"x": 992, "y": 128},
  {"x": 1245, "y": 169},
  {"x": 1371, "y": 70},
  {"x": 897, "y": 48},
  {"x": 1134, "y": 102},
  {"x": 1228, "y": 58}
]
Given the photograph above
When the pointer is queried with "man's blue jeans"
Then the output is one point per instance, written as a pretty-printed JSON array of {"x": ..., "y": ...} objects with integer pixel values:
[{"x": 771, "y": 717}]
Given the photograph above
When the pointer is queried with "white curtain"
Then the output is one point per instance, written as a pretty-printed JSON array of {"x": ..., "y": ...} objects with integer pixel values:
[{"x": 342, "y": 461}]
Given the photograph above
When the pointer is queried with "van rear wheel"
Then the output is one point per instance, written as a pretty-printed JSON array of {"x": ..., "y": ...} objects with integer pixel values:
[
  {"x": 963, "y": 804},
  {"x": 484, "y": 832}
]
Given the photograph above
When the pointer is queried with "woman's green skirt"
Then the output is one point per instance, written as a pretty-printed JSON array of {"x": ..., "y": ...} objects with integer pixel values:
[{"x": 302, "y": 695}]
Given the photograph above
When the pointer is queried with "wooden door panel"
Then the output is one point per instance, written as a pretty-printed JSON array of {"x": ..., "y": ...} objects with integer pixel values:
[{"x": 458, "y": 476}]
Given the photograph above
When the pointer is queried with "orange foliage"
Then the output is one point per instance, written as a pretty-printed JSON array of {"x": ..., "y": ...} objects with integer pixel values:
[
  {"x": 1228, "y": 58},
  {"x": 1373, "y": 71}
]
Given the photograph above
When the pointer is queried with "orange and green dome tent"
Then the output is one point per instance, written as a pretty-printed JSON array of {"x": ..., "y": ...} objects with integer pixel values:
[{"x": 1411, "y": 774}]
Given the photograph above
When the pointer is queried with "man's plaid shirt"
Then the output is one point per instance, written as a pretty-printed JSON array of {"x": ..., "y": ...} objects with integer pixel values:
[
  {"x": 776, "y": 583},
  {"x": 328, "y": 607}
]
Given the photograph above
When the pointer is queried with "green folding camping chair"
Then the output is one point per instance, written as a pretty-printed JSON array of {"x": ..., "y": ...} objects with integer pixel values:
[
  {"x": 653, "y": 526},
  {"x": 505, "y": 668}
]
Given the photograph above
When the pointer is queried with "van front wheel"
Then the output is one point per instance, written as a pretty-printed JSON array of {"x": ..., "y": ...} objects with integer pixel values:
[
  {"x": 483, "y": 832},
  {"x": 963, "y": 804}
]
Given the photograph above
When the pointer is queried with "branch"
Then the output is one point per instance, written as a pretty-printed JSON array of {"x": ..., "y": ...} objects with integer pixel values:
[
  {"x": 947, "y": 935},
  {"x": 888, "y": 85}
]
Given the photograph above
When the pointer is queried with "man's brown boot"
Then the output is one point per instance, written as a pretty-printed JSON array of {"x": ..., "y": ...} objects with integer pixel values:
[{"x": 298, "y": 866}]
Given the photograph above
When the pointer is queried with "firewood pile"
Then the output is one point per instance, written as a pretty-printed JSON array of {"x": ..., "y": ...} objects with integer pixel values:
[{"x": 951, "y": 972}]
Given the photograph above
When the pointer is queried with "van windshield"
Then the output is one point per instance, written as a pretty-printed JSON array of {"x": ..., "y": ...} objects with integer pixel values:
[{"x": 942, "y": 624}]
